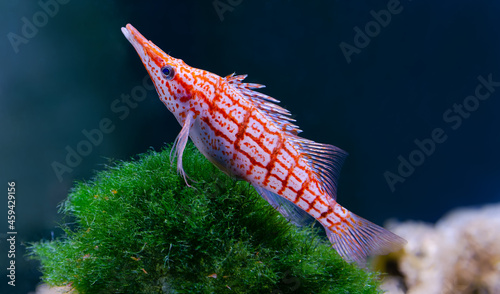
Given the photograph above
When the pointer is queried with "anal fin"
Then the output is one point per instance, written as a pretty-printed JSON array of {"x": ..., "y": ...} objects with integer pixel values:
[{"x": 290, "y": 211}]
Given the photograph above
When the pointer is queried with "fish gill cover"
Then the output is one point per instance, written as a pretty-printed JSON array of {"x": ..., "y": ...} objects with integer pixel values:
[{"x": 137, "y": 228}]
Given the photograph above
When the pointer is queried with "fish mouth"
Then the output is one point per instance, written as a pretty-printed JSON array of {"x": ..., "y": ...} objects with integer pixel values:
[
  {"x": 145, "y": 48},
  {"x": 134, "y": 37}
]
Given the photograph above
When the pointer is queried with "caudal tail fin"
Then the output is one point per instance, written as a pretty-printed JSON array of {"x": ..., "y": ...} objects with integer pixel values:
[{"x": 356, "y": 238}]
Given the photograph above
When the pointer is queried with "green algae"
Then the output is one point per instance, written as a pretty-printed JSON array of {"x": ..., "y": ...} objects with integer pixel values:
[{"x": 137, "y": 228}]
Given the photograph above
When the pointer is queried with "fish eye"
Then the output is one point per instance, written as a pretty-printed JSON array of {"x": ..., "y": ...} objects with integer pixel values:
[{"x": 168, "y": 72}]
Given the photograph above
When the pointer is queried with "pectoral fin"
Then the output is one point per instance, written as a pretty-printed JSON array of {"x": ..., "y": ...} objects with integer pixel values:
[{"x": 180, "y": 145}]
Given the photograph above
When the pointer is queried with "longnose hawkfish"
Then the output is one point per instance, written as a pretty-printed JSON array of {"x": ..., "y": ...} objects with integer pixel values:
[{"x": 248, "y": 136}]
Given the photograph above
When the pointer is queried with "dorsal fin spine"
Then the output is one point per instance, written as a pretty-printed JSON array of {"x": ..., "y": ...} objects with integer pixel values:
[{"x": 325, "y": 160}]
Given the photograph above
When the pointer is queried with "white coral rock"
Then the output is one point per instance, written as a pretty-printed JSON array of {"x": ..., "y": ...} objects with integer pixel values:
[{"x": 459, "y": 255}]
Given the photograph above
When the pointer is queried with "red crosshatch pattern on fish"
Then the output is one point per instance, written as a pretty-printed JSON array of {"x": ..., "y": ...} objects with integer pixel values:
[{"x": 249, "y": 137}]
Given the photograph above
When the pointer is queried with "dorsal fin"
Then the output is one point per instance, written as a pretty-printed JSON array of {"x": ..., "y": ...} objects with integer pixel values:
[
  {"x": 266, "y": 104},
  {"x": 325, "y": 160}
]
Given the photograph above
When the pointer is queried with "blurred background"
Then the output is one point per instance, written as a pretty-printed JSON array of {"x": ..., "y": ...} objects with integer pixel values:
[{"x": 370, "y": 77}]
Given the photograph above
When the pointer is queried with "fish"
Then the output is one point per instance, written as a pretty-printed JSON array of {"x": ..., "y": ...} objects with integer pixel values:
[{"x": 248, "y": 136}]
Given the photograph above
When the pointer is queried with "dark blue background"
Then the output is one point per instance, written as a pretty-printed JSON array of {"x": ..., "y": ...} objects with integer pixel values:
[{"x": 428, "y": 58}]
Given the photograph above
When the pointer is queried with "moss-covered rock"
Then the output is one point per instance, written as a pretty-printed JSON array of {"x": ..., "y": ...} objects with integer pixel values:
[{"x": 139, "y": 229}]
